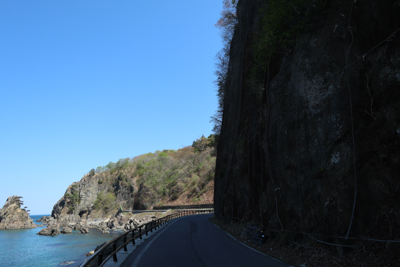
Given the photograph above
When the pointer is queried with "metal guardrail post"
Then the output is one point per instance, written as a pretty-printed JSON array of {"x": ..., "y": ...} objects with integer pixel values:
[
  {"x": 140, "y": 232},
  {"x": 133, "y": 237},
  {"x": 125, "y": 248},
  {"x": 114, "y": 245},
  {"x": 146, "y": 229},
  {"x": 100, "y": 259}
]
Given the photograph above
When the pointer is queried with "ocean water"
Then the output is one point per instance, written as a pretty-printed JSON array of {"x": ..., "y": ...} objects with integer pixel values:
[{"x": 22, "y": 248}]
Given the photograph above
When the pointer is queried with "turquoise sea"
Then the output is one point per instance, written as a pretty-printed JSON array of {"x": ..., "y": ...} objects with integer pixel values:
[{"x": 22, "y": 248}]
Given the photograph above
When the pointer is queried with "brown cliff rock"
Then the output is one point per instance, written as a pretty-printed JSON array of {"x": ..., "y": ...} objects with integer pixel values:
[{"x": 13, "y": 217}]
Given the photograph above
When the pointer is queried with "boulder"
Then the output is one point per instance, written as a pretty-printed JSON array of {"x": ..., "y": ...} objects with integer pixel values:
[
  {"x": 90, "y": 253},
  {"x": 84, "y": 231},
  {"x": 66, "y": 230},
  {"x": 112, "y": 223},
  {"x": 122, "y": 219},
  {"x": 132, "y": 224},
  {"x": 50, "y": 230}
]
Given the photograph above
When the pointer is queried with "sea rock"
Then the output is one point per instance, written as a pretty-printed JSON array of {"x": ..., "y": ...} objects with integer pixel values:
[
  {"x": 77, "y": 227},
  {"x": 13, "y": 217},
  {"x": 90, "y": 253},
  {"x": 50, "y": 230},
  {"x": 67, "y": 262},
  {"x": 43, "y": 219},
  {"x": 84, "y": 231},
  {"x": 113, "y": 223},
  {"x": 105, "y": 232},
  {"x": 66, "y": 230},
  {"x": 47, "y": 220}
]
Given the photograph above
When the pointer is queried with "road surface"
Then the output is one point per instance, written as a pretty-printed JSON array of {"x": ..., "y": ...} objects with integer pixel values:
[{"x": 193, "y": 241}]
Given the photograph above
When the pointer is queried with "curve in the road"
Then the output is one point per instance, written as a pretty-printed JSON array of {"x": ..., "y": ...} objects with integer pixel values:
[{"x": 195, "y": 241}]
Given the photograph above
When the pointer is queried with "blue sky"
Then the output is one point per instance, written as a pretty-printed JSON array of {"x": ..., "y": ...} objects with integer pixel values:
[{"x": 83, "y": 83}]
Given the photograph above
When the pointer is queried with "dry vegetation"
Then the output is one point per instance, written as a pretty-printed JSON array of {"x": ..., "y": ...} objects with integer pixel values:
[
  {"x": 182, "y": 176},
  {"x": 310, "y": 253},
  {"x": 168, "y": 177}
]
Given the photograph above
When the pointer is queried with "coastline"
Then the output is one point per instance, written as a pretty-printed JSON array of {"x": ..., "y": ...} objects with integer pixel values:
[{"x": 24, "y": 247}]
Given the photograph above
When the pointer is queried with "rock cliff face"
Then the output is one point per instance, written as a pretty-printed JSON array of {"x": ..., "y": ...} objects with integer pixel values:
[
  {"x": 140, "y": 183},
  {"x": 315, "y": 147},
  {"x": 13, "y": 217},
  {"x": 79, "y": 198}
]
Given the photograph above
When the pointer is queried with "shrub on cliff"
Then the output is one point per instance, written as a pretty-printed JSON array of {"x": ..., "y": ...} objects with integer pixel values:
[
  {"x": 168, "y": 175},
  {"x": 105, "y": 202},
  {"x": 202, "y": 143},
  {"x": 72, "y": 199}
]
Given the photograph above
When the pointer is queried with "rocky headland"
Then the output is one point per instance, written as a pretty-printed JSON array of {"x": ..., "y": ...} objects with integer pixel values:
[
  {"x": 12, "y": 216},
  {"x": 96, "y": 201},
  {"x": 120, "y": 222}
]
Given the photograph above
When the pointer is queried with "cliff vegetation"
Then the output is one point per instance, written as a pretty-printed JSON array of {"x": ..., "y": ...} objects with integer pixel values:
[{"x": 182, "y": 176}]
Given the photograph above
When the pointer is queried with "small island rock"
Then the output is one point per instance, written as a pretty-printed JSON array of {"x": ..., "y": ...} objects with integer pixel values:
[
  {"x": 50, "y": 230},
  {"x": 13, "y": 217}
]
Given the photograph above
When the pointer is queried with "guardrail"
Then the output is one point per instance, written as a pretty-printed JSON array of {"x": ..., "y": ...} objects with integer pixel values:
[
  {"x": 179, "y": 207},
  {"x": 97, "y": 259}
]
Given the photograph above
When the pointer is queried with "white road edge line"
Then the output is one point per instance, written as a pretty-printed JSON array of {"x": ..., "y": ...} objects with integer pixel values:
[
  {"x": 250, "y": 247},
  {"x": 137, "y": 260}
]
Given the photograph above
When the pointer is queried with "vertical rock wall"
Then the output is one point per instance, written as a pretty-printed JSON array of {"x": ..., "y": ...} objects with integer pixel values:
[{"x": 316, "y": 147}]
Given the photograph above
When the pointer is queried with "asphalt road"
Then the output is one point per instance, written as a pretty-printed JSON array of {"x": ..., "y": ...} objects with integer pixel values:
[{"x": 195, "y": 241}]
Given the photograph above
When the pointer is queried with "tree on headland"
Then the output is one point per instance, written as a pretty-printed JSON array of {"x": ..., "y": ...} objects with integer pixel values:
[{"x": 202, "y": 143}]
